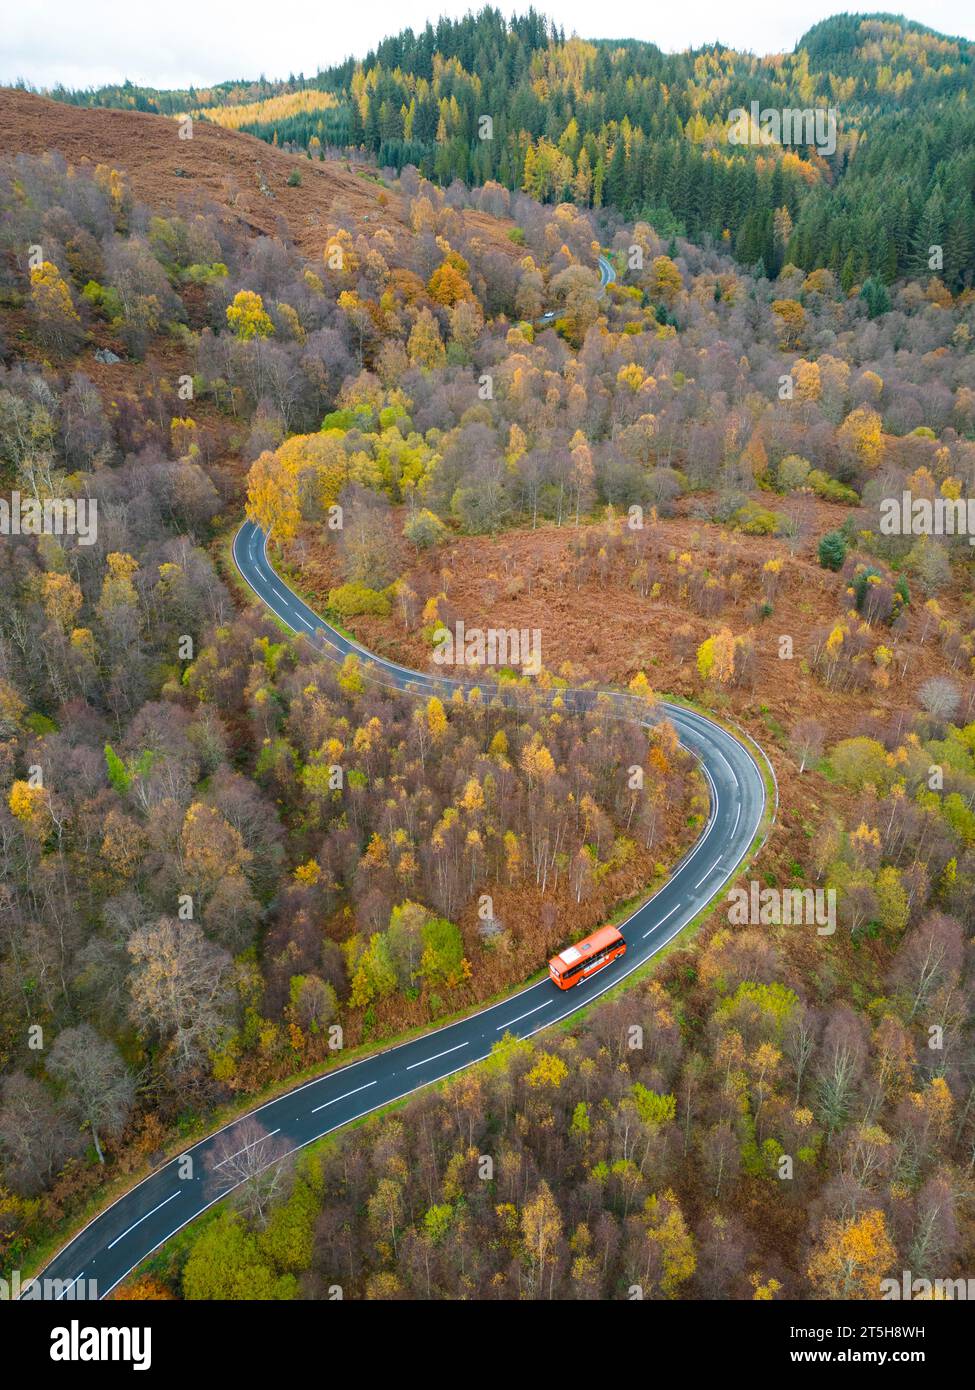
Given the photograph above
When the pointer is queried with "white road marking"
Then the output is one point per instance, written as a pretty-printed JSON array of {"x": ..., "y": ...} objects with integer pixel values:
[
  {"x": 436, "y": 1056},
  {"x": 661, "y": 922},
  {"x": 254, "y": 1142},
  {"x": 140, "y": 1221},
  {"x": 336, "y": 1099},
  {"x": 710, "y": 871},
  {"x": 65, "y": 1292},
  {"x": 521, "y": 1016}
]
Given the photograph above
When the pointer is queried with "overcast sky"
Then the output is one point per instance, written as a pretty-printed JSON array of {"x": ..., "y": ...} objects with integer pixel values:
[{"x": 178, "y": 45}]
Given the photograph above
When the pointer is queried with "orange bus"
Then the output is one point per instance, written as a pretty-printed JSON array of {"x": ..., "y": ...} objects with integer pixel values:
[{"x": 583, "y": 959}]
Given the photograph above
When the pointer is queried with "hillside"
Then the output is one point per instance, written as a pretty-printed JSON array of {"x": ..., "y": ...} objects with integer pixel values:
[
  {"x": 623, "y": 126},
  {"x": 242, "y": 179}
]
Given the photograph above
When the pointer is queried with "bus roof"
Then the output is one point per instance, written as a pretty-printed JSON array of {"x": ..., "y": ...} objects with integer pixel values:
[{"x": 588, "y": 946}]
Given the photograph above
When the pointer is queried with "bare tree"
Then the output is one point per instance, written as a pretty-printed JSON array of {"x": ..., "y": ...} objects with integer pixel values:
[
  {"x": 840, "y": 1068},
  {"x": 799, "y": 1044},
  {"x": 246, "y": 1159},
  {"x": 807, "y": 741},
  {"x": 35, "y": 1134},
  {"x": 181, "y": 986},
  {"x": 940, "y": 697},
  {"x": 929, "y": 959},
  {"x": 101, "y": 1090}
]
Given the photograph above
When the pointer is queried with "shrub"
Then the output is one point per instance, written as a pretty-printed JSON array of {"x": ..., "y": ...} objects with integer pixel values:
[
  {"x": 203, "y": 274},
  {"x": 831, "y": 489},
  {"x": 104, "y": 299},
  {"x": 868, "y": 579},
  {"x": 857, "y": 761},
  {"x": 350, "y": 417},
  {"x": 793, "y": 473},
  {"x": 664, "y": 486},
  {"x": 424, "y": 530},
  {"x": 756, "y": 520},
  {"x": 352, "y": 600}
]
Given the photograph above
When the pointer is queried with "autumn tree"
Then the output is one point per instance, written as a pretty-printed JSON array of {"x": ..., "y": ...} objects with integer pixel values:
[
  {"x": 665, "y": 280},
  {"x": 100, "y": 1088},
  {"x": 807, "y": 741},
  {"x": 716, "y": 657},
  {"x": 852, "y": 1257},
  {"x": 541, "y": 1229},
  {"x": 862, "y": 435},
  {"x": 425, "y": 346},
  {"x": 247, "y": 316},
  {"x": 791, "y": 322},
  {"x": 272, "y": 497},
  {"x": 180, "y": 986},
  {"x": 58, "y": 325}
]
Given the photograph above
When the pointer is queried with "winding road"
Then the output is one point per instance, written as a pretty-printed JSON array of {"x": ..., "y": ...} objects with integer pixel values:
[{"x": 122, "y": 1235}]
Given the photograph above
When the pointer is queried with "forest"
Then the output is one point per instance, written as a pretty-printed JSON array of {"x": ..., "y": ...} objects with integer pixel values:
[
  {"x": 622, "y": 124},
  {"x": 216, "y": 846}
]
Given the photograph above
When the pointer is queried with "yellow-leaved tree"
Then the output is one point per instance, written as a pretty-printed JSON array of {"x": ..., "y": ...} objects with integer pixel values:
[
  {"x": 272, "y": 497},
  {"x": 852, "y": 1257},
  {"x": 58, "y": 324},
  {"x": 716, "y": 657},
  {"x": 862, "y": 434},
  {"x": 247, "y": 316}
]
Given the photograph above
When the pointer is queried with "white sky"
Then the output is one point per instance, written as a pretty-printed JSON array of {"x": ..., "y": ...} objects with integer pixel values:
[{"x": 177, "y": 44}]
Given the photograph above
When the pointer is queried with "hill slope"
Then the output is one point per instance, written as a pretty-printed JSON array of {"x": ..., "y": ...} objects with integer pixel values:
[{"x": 236, "y": 175}]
